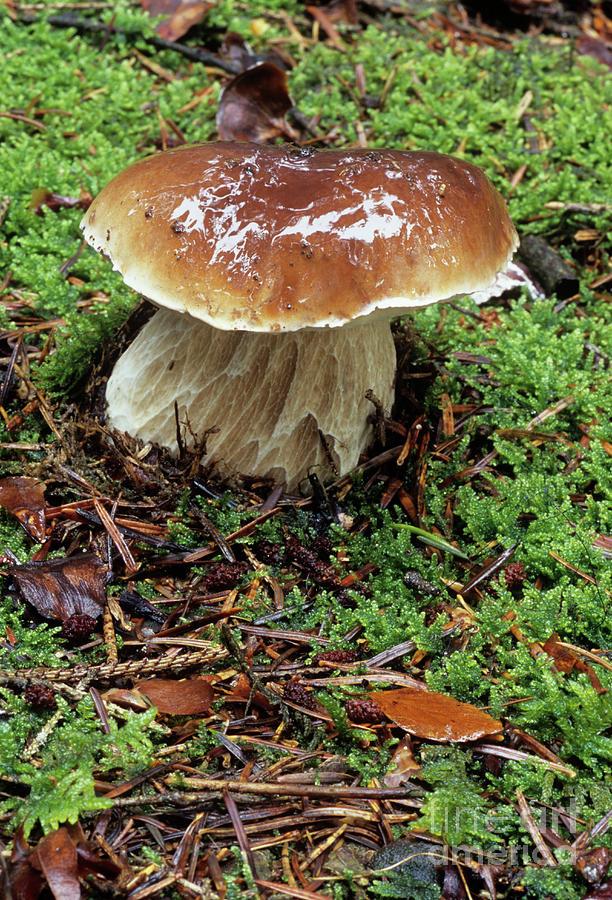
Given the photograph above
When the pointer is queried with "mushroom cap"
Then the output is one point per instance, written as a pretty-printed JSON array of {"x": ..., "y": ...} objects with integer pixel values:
[{"x": 261, "y": 238}]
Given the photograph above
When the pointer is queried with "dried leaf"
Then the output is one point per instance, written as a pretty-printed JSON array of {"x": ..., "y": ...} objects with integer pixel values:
[
  {"x": 435, "y": 717},
  {"x": 61, "y": 858},
  {"x": 43, "y": 197},
  {"x": 254, "y": 104},
  {"x": 567, "y": 660},
  {"x": 60, "y": 588},
  {"x": 57, "y": 856},
  {"x": 26, "y": 882},
  {"x": 403, "y": 764},
  {"x": 235, "y": 49},
  {"x": 242, "y": 692},
  {"x": 90, "y": 862},
  {"x": 592, "y": 46},
  {"x": 182, "y": 15},
  {"x": 179, "y": 698},
  {"x": 452, "y": 884},
  {"x": 124, "y": 697},
  {"x": 24, "y": 498},
  {"x": 603, "y": 542},
  {"x": 343, "y": 11}
]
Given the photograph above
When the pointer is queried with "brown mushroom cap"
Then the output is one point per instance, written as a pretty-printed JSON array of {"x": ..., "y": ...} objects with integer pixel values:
[{"x": 259, "y": 238}]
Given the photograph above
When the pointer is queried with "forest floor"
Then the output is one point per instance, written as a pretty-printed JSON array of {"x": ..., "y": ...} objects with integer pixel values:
[{"x": 397, "y": 684}]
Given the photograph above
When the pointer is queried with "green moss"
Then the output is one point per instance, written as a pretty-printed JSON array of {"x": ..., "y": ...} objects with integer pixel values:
[
  {"x": 33, "y": 646},
  {"x": 62, "y": 787},
  {"x": 551, "y": 497},
  {"x": 12, "y": 536},
  {"x": 543, "y": 883},
  {"x": 455, "y": 809},
  {"x": 405, "y": 886}
]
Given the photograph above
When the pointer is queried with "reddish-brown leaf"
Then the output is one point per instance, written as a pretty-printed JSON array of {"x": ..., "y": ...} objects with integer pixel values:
[
  {"x": 123, "y": 697},
  {"x": 61, "y": 858},
  {"x": 242, "y": 692},
  {"x": 435, "y": 717},
  {"x": 57, "y": 856},
  {"x": 592, "y": 46},
  {"x": 60, "y": 588},
  {"x": 235, "y": 49},
  {"x": 25, "y": 499},
  {"x": 403, "y": 764},
  {"x": 343, "y": 11},
  {"x": 43, "y": 197},
  {"x": 603, "y": 542},
  {"x": 567, "y": 660},
  {"x": 26, "y": 882},
  {"x": 90, "y": 861},
  {"x": 182, "y": 15},
  {"x": 254, "y": 104},
  {"x": 179, "y": 698}
]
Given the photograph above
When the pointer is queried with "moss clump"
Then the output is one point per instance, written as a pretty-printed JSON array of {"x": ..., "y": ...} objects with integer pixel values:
[{"x": 62, "y": 787}]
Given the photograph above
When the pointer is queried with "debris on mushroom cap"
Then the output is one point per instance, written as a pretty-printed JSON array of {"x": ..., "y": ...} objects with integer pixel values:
[{"x": 260, "y": 238}]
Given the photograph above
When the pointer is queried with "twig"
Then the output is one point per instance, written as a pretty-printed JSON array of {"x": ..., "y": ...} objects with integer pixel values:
[
  {"x": 532, "y": 828},
  {"x": 194, "y": 53},
  {"x": 135, "y": 668},
  {"x": 18, "y": 117},
  {"x": 5, "y": 203},
  {"x": 520, "y": 755},
  {"x": 241, "y": 835},
  {"x": 313, "y": 791},
  {"x": 43, "y": 735}
]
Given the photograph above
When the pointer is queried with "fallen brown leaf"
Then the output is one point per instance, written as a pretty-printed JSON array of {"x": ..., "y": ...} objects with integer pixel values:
[
  {"x": 435, "y": 717},
  {"x": 178, "y": 698},
  {"x": 343, "y": 11},
  {"x": 592, "y": 46},
  {"x": 25, "y": 499},
  {"x": 235, "y": 49},
  {"x": 60, "y": 588},
  {"x": 242, "y": 692},
  {"x": 43, "y": 197},
  {"x": 182, "y": 15},
  {"x": 567, "y": 660},
  {"x": 602, "y": 892},
  {"x": 123, "y": 697},
  {"x": 56, "y": 855},
  {"x": 254, "y": 104},
  {"x": 403, "y": 764},
  {"x": 26, "y": 882},
  {"x": 60, "y": 858}
]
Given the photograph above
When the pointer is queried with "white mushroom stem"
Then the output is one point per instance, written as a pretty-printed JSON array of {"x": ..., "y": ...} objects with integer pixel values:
[{"x": 271, "y": 397}]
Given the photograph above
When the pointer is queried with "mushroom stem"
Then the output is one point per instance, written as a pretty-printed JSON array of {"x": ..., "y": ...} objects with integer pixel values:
[{"x": 274, "y": 399}]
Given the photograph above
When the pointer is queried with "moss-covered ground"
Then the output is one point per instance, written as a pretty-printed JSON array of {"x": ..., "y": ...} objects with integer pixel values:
[{"x": 526, "y": 461}]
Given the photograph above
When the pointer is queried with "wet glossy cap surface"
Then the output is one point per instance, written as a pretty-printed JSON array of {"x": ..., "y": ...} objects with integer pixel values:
[{"x": 254, "y": 237}]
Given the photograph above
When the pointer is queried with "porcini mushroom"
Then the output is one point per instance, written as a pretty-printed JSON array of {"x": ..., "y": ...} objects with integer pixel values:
[{"x": 277, "y": 270}]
